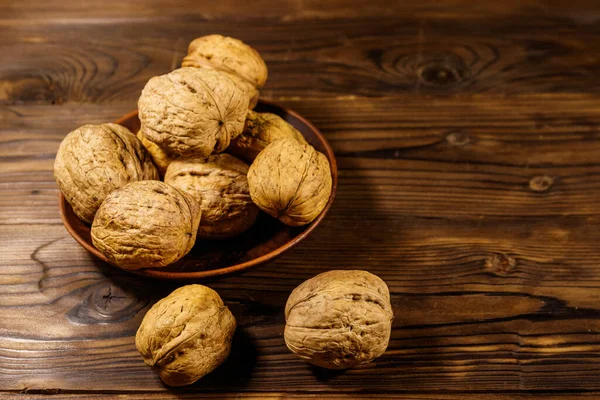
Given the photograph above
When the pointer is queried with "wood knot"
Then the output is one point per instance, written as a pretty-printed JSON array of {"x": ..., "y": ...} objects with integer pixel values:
[
  {"x": 443, "y": 72},
  {"x": 457, "y": 138},
  {"x": 500, "y": 264},
  {"x": 28, "y": 87},
  {"x": 106, "y": 303},
  {"x": 541, "y": 183}
]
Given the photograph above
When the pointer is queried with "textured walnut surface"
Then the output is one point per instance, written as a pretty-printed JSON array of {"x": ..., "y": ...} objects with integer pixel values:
[
  {"x": 291, "y": 181},
  {"x": 339, "y": 319},
  {"x": 240, "y": 62},
  {"x": 192, "y": 111},
  {"x": 161, "y": 158},
  {"x": 146, "y": 224},
  {"x": 186, "y": 335},
  {"x": 219, "y": 183},
  {"x": 94, "y": 160},
  {"x": 260, "y": 130}
]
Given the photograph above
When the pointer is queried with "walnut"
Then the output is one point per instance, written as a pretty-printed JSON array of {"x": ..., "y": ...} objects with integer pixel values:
[
  {"x": 192, "y": 111},
  {"x": 218, "y": 182},
  {"x": 146, "y": 224},
  {"x": 240, "y": 62},
  {"x": 260, "y": 130},
  {"x": 339, "y": 319},
  {"x": 161, "y": 158},
  {"x": 186, "y": 335},
  {"x": 94, "y": 160},
  {"x": 291, "y": 181}
]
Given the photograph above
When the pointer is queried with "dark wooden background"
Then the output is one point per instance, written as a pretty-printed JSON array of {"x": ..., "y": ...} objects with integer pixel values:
[{"x": 468, "y": 138}]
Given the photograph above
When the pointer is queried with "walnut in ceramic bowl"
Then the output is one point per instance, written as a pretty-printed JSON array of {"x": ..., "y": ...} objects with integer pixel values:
[
  {"x": 291, "y": 181},
  {"x": 146, "y": 224},
  {"x": 94, "y": 160},
  {"x": 161, "y": 158},
  {"x": 232, "y": 57},
  {"x": 192, "y": 112},
  {"x": 218, "y": 182},
  {"x": 260, "y": 130}
]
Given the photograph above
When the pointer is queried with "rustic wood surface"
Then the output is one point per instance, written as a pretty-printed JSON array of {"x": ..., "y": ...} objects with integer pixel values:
[{"x": 468, "y": 140}]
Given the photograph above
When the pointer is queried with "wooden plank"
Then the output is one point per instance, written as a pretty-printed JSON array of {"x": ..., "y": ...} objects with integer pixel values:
[
  {"x": 111, "y": 61},
  {"x": 516, "y": 131},
  {"x": 67, "y": 10},
  {"x": 479, "y": 209},
  {"x": 384, "y": 190},
  {"x": 57, "y": 395},
  {"x": 501, "y": 305},
  {"x": 414, "y": 255},
  {"x": 476, "y": 157}
]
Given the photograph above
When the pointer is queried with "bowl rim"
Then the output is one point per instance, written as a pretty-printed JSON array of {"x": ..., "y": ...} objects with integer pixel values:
[{"x": 205, "y": 274}]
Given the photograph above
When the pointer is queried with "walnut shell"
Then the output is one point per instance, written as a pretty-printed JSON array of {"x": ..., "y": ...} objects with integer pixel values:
[
  {"x": 186, "y": 335},
  {"x": 94, "y": 160},
  {"x": 146, "y": 224},
  {"x": 240, "y": 62},
  {"x": 339, "y": 319},
  {"x": 261, "y": 129},
  {"x": 291, "y": 181},
  {"x": 218, "y": 182},
  {"x": 192, "y": 111},
  {"x": 161, "y": 158}
]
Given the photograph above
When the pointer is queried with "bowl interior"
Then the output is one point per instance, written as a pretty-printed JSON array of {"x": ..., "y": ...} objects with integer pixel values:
[{"x": 265, "y": 240}]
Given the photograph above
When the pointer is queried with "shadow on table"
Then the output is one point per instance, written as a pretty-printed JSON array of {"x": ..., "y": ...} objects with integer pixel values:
[
  {"x": 236, "y": 371},
  {"x": 325, "y": 375},
  {"x": 234, "y": 374}
]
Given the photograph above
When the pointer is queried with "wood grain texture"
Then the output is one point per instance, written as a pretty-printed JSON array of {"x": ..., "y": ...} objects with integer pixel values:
[
  {"x": 402, "y": 156},
  {"x": 467, "y": 136},
  {"x": 110, "y": 62},
  {"x": 60, "y": 11},
  {"x": 181, "y": 394},
  {"x": 493, "y": 275}
]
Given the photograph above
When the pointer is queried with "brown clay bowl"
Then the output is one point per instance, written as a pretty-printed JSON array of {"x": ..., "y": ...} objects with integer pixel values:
[{"x": 265, "y": 240}]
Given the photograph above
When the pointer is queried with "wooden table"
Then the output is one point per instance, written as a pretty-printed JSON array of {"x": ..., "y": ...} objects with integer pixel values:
[{"x": 468, "y": 139}]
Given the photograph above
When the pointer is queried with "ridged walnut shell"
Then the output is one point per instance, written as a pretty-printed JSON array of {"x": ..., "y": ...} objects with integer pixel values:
[
  {"x": 339, "y": 319},
  {"x": 94, "y": 160},
  {"x": 261, "y": 129},
  {"x": 161, "y": 158},
  {"x": 240, "y": 62},
  {"x": 291, "y": 181},
  {"x": 192, "y": 111},
  {"x": 186, "y": 335},
  {"x": 218, "y": 182},
  {"x": 146, "y": 224}
]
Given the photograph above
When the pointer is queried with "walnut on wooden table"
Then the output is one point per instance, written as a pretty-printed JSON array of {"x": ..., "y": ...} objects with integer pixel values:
[
  {"x": 186, "y": 335},
  {"x": 339, "y": 319}
]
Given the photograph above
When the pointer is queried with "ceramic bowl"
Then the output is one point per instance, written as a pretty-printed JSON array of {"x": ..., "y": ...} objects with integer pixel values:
[{"x": 265, "y": 240}]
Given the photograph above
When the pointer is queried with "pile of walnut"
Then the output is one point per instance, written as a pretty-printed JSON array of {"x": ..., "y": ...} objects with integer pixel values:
[{"x": 198, "y": 132}]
